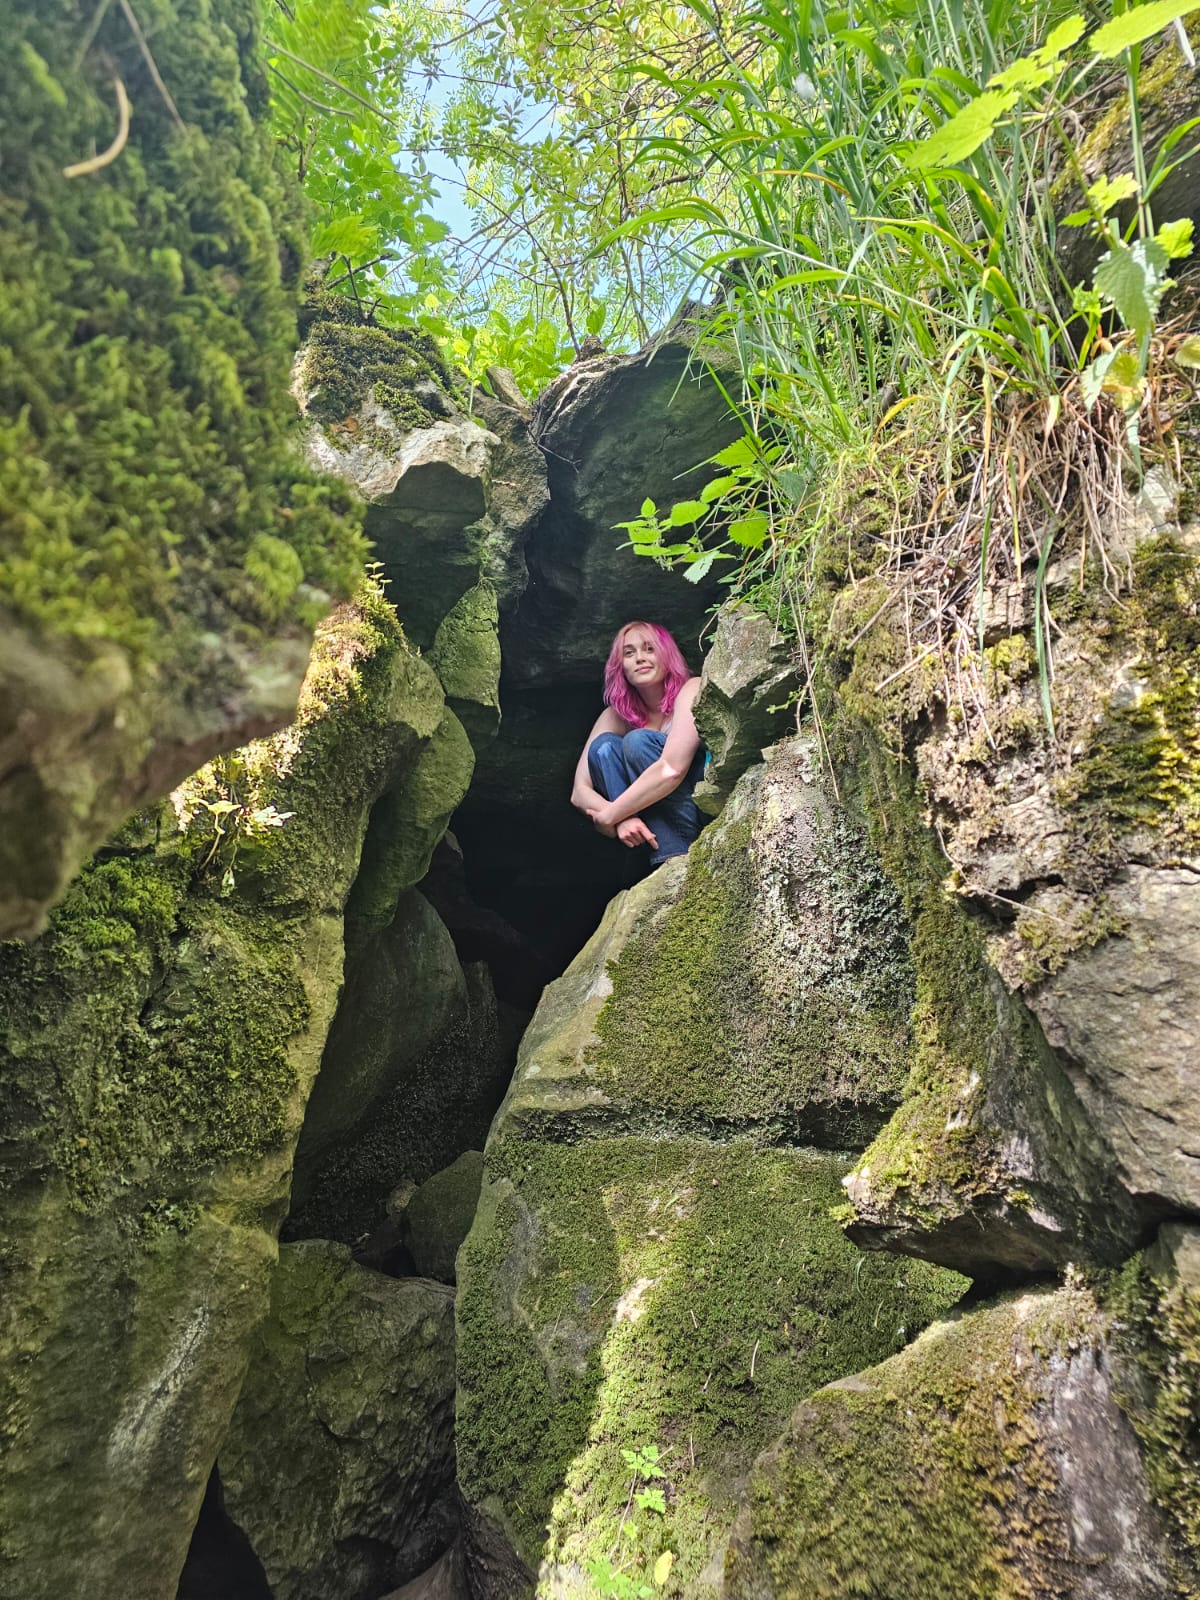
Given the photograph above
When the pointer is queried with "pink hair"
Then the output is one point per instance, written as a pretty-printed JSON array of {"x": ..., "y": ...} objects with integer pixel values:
[{"x": 619, "y": 693}]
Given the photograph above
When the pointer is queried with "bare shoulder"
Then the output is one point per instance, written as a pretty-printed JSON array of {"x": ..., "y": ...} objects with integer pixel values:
[{"x": 687, "y": 695}]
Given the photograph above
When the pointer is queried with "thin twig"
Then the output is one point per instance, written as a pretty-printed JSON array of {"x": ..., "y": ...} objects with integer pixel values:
[
  {"x": 88, "y": 39},
  {"x": 106, "y": 157},
  {"x": 136, "y": 29}
]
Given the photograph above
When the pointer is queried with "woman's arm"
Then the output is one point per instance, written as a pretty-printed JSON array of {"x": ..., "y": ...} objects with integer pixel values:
[
  {"x": 583, "y": 796},
  {"x": 663, "y": 776}
]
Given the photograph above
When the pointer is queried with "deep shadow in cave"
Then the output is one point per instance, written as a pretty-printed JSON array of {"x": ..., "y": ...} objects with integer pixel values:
[{"x": 220, "y": 1563}]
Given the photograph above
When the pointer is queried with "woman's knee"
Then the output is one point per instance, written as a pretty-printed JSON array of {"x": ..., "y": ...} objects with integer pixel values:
[
  {"x": 642, "y": 746},
  {"x": 602, "y": 743}
]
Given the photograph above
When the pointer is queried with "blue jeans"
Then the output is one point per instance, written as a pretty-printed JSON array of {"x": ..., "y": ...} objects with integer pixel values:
[{"x": 614, "y": 762}]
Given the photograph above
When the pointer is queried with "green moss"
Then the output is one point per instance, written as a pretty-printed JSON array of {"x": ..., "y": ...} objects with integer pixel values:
[
  {"x": 868, "y": 656},
  {"x": 149, "y": 1035},
  {"x": 347, "y": 361},
  {"x": 1141, "y": 766},
  {"x": 147, "y": 324},
  {"x": 1158, "y": 1328},
  {"x": 937, "y": 1142},
  {"x": 627, "y": 1292},
  {"x": 697, "y": 1026},
  {"x": 931, "y": 1477}
]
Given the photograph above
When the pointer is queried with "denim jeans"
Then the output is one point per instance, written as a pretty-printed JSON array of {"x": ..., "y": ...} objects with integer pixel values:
[{"x": 615, "y": 761}]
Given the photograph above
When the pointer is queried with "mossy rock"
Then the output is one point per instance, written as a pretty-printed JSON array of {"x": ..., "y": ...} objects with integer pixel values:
[
  {"x": 159, "y": 1042},
  {"x": 439, "y": 1215},
  {"x": 625, "y": 1293},
  {"x": 338, "y": 1466},
  {"x": 989, "y": 1460},
  {"x": 761, "y": 981},
  {"x": 164, "y": 553},
  {"x": 466, "y": 658},
  {"x": 991, "y": 1164}
]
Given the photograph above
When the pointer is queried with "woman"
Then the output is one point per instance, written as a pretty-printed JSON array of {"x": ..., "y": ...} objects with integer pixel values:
[{"x": 643, "y": 757}]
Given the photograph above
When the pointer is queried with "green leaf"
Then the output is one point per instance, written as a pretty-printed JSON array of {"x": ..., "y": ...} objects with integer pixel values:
[
  {"x": 649, "y": 509},
  {"x": 1106, "y": 192},
  {"x": 1132, "y": 277},
  {"x": 1188, "y": 353},
  {"x": 959, "y": 138},
  {"x": 700, "y": 567},
  {"x": 1060, "y": 39},
  {"x": 344, "y": 236},
  {"x": 662, "y": 1568},
  {"x": 716, "y": 487},
  {"x": 1176, "y": 238},
  {"x": 750, "y": 531},
  {"x": 686, "y": 511},
  {"x": 1091, "y": 379},
  {"x": 738, "y": 454},
  {"x": 1141, "y": 23}
]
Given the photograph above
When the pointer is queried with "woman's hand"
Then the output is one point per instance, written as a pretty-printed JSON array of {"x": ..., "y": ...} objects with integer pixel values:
[
  {"x": 598, "y": 816},
  {"x": 633, "y": 831}
]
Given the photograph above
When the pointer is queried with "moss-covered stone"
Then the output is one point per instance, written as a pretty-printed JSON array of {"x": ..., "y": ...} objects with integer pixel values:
[
  {"x": 163, "y": 551},
  {"x": 761, "y": 981},
  {"x": 339, "y": 1462},
  {"x": 466, "y": 657},
  {"x": 1155, "y": 1300},
  {"x": 346, "y": 361},
  {"x": 990, "y": 1164},
  {"x": 621, "y": 1293},
  {"x": 159, "y": 1043},
  {"x": 988, "y": 1460}
]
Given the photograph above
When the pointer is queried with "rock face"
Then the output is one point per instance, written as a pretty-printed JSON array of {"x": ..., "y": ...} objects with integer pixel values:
[
  {"x": 643, "y": 1273},
  {"x": 439, "y": 1216},
  {"x": 339, "y": 1463},
  {"x": 160, "y": 1041},
  {"x": 989, "y": 1458},
  {"x": 1066, "y": 1141},
  {"x": 163, "y": 554},
  {"x": 748, "y": 690},
  {"x": 614, "y": 431}
]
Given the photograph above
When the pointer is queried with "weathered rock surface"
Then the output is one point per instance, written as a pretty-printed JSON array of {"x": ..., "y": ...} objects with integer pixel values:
[
  {"x": 439, "y": 1215},
  {"x": 761, "y": 981},
  {"x": 1125, "y": 1013},
  {"x": 163, "y": 555},
  {"x": 339, "y": 1462},
  {"x": 615, "y": 430},
  {"x": 990, "y": 1458},
  {"x": 429, "y": 1105},
  {"x": 748, "y": 689},
  {"x": 159, "y": 1044},
  {"x": 404, "y": 992},
  {"x": 450, "y": 503},
  {"x": 633, "y": 1277}
]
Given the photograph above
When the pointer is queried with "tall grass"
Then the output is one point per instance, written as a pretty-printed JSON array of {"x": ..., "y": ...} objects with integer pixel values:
[{"x": 897, "y": 329}]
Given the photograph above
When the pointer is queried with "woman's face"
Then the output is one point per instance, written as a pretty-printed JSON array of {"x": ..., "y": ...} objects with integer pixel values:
[{"x": 643, "y": 665}]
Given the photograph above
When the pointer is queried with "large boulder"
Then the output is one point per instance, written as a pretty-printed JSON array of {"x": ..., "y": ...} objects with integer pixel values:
[
  {"x": 615, "y": 430},
  {"x": 424, "y": 1106},
  {"x": 160, "y": 1041},
  {"x": 649, "y": 1283},
  {"x": 339, "y": 1462},
  {"x": 761, "y": 981},
  {"x": 164, "y": 553},
  {"x": 991, "y": 1458},
  {"x": 450, "y": 501}
]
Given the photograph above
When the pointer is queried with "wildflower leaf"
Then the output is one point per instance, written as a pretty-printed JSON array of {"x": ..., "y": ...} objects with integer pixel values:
[
  {"x": 966, "y": 130},
  {"x": 1138, "y": 24},
  {"x": 750, "y": 531},
  {"x": 686, "y": 511},
  {"x": 1188, "y": 354},
  {"x": 662, "y": 1568},
  {"x": 1176, "y": 238},
  {"x": 1133, "y": 278}
]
